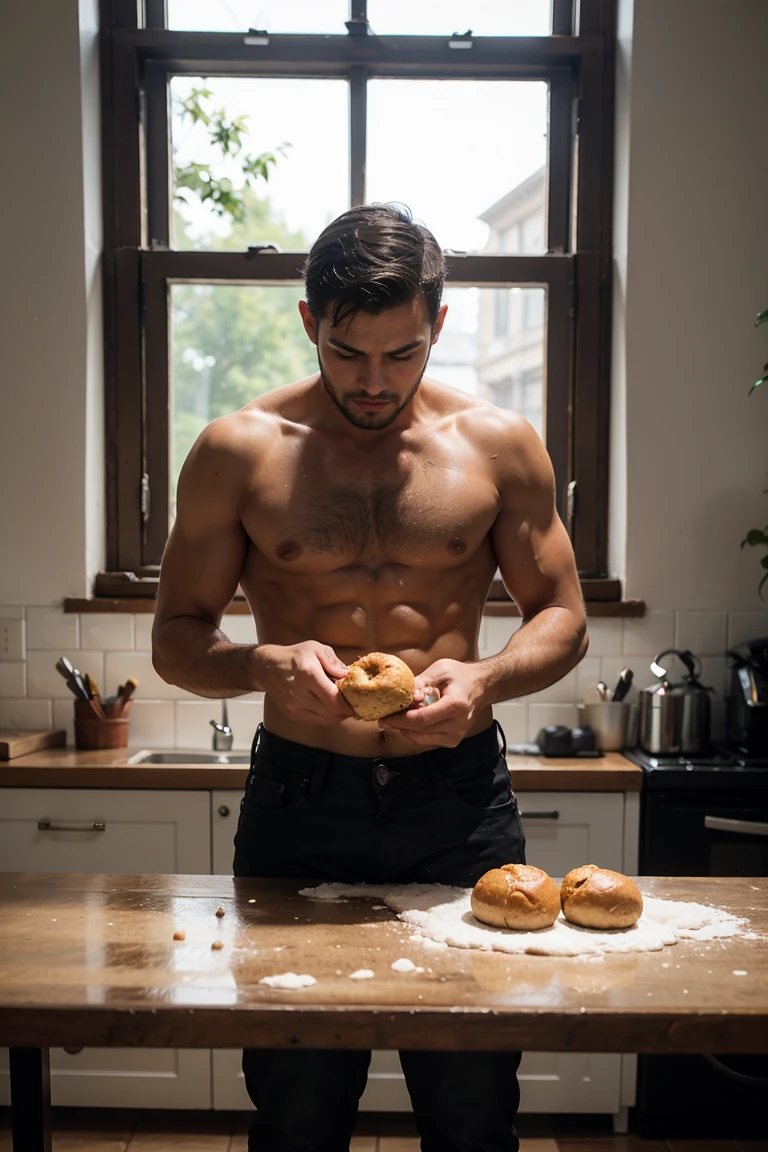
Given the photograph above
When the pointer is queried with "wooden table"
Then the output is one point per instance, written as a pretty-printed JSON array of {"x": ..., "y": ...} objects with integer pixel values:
[{"x": 90, "y": 960}]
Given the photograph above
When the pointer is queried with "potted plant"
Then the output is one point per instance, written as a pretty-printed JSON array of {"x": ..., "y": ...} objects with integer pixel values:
[{"x": 759, "y": 535}]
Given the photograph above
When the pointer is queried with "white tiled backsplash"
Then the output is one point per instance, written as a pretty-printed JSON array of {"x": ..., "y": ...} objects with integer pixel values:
[{"x": 112, "y": 647}]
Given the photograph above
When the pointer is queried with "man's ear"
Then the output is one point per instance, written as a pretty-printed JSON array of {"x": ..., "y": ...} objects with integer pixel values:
[
  {"x": 439, "y": 321},
  {"x": 310, "y": 324}
]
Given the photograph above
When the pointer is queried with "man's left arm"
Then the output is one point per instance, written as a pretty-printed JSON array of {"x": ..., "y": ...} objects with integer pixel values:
[{"x": 538, "y": 567}]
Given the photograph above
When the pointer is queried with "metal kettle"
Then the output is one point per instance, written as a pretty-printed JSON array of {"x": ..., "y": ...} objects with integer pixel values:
[{"x": 674, "y": 719}]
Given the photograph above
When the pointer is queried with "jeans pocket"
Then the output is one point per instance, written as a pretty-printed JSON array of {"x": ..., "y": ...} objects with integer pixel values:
[
  {"x": 484, "y": 788},
  {"x": 266, "y": 793}
]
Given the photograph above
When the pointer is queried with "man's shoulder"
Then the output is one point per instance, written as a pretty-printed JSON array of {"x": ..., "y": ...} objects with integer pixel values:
[
  {"x": 258, "y": 424},
  {"x": 480, "y": 421}
]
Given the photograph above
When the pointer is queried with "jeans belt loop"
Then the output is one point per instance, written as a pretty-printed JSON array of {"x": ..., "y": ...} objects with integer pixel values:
[{"x": 256, "y": 741}]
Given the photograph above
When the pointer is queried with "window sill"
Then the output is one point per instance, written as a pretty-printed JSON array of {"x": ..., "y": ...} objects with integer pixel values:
[{"x": 125, "y": 592}]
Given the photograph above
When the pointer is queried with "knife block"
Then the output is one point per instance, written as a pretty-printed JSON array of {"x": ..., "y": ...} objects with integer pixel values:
[{"x": 91, "y": 732}]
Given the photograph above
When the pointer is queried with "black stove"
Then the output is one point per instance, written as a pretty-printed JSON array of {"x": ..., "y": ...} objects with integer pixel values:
[
  {"x": 718, "y": 767},
  {"x": 702, "y": 815}
]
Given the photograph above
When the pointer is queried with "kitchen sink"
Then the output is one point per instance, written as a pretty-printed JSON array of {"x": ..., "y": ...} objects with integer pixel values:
[{"x": 146, "y": 756}]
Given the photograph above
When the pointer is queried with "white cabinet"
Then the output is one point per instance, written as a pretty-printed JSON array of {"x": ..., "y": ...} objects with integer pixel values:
[
  {"x": 562, "y": 830},
  {"x": 120, "y": 831}
]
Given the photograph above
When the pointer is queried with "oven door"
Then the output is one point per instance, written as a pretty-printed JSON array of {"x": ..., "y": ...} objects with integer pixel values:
[
  {"x": 704, "y": 833},
  {"x": 693, "y": 832}
]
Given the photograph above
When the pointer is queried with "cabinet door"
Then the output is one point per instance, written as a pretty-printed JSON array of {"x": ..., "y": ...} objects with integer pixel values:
[
  {"x": 143, "y": 832},
  {"x": 562, "y": 831}
]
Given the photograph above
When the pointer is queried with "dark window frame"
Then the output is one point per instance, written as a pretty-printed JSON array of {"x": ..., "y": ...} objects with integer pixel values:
[{"x": 139, "y": 267}]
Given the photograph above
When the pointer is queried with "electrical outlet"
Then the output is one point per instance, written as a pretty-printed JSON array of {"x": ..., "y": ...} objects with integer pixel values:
[{"x": 11, "y": 640}]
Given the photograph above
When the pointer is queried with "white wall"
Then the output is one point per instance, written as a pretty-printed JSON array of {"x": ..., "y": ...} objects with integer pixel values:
[
  {"x": 696, "y": 273},
  {"x": 51, "y": 519}
]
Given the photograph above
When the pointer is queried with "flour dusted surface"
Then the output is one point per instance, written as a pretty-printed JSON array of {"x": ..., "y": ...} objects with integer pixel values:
[
  {"x": 442, "y": 915},
  {"x": 288, "y": 980}
]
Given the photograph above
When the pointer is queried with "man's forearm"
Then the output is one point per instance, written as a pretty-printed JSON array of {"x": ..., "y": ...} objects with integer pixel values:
[
  {"x": 196, "y": 655},
  {"x": 540, "y": 653}
]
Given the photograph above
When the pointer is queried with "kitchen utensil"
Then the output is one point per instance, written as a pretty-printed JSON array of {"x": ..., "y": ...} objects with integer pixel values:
[
  {"x": 19, "y": 741},
  {"x": 675, "y": 718},
  {"x": 74, "y": 680},
  {"x": 610, "y": 721},
  {"x": 623, "y": 686},
  {"x": 746, "y": 710},
  {"x": 602, "y": 690},
  {"x": 125, "y": 693}
]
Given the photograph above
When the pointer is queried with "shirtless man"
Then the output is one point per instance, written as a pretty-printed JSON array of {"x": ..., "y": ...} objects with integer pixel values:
[{"x": 366, "y": 508}]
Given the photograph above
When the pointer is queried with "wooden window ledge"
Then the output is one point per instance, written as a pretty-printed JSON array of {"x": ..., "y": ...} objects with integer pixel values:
[{"x": 127, "y": 592}]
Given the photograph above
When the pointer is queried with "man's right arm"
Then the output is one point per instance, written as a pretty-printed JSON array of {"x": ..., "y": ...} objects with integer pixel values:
[{"x": 201, "y": 568}]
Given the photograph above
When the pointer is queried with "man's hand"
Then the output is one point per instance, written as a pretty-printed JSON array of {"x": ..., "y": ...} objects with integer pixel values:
[
  {"x": 300, "y": 679},
  {"x": 447, "y": 722}
]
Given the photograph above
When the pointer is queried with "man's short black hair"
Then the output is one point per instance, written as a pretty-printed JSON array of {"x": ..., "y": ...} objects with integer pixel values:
[{"x": 372, "y": 258}]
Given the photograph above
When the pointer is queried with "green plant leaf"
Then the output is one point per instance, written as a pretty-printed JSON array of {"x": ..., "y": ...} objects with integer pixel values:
[
  {"x": 755, "y": 536},
  {"x": 760, "y": 585},
  {"x": 761, "y": 317},
  {"x": 757, "y": 383}
]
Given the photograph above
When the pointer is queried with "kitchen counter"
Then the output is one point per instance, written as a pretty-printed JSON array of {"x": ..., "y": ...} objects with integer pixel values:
[
  {"x": 69, "y": 768},
  {"x": 91, "y": 960}
]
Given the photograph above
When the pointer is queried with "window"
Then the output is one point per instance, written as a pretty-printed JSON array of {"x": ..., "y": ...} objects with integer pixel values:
[{"x": 248, "y": 141}]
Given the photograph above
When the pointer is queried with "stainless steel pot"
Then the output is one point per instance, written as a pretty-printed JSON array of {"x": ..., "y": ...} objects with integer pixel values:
[{"x": 674, "y": 719}]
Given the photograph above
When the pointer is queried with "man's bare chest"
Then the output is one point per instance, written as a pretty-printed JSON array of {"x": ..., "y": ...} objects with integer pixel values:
[{"x": 425, "y": 515}]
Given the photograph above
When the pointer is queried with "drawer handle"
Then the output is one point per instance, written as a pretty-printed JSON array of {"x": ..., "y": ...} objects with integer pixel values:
[
  {"x": 86, "y": 826},
  {"x": 745, "y": 827},
  {"x": 552, "y": 815},
  {"x": 223, "y": 810}
]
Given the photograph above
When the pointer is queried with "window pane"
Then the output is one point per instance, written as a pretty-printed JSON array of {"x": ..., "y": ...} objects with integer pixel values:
[
  {"x": 484, "y": 17},
  {"x": 274, "y": 15},
  {"x": 306, "y": 187},
  {"x": 487, "y": 349},
  {"x": 472, "y": 164},
  {"x": 230, "y": 344}
]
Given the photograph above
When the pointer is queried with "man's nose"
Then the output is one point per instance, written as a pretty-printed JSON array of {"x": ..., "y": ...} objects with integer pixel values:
[{"x": 373, "y": 378}]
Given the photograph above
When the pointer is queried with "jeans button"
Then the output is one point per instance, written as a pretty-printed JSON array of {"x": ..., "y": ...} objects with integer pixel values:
[{"x": 382, "y": 775}]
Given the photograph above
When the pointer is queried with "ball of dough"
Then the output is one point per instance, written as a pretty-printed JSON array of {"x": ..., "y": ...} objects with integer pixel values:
[
  {"x": 599, "y": 898},
  {"x": 378, "y": 685},
  {"x": 516, "y": 896}
]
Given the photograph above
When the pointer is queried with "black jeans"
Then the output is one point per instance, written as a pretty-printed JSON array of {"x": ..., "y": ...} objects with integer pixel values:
[{"x": 445, "y": 817}]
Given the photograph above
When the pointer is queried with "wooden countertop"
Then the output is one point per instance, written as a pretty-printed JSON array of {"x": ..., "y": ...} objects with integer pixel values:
[
  {"x": 68, "y": 768},
  {"x": 90, "y": 960}
]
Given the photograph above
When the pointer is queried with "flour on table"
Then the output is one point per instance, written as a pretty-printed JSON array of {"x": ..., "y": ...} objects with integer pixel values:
[
  {"x": 403, "y": 965},
  {"x": 361, "y": 974},
  {"x": 288, "y": 980},
  {"x": 442, "y": 915}
]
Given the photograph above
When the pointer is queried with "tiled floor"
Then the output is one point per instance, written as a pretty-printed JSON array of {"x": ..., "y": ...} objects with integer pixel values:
[{"x": 115, "y": 1130}]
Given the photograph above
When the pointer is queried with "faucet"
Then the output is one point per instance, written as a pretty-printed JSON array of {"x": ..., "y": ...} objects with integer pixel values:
[{"x": 222, "y": 735}]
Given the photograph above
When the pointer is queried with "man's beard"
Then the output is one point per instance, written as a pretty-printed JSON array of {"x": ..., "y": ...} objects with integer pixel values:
[{"x": 372, "y": 421}]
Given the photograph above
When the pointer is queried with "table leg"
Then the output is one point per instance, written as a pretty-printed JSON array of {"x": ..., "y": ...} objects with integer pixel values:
[{"x": 30, "y": 1099}]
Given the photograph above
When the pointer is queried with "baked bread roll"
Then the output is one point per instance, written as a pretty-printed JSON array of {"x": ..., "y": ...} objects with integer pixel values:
[
  {"x": 516, "y": 896},
  {"x": 599, "y": 898},
  {"x": 378, "y": 685}
]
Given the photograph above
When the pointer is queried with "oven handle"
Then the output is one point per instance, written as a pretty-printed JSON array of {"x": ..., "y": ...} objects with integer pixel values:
[
  {"x": 745, "y": 827},
  {"x": 742, "y": 1077}
]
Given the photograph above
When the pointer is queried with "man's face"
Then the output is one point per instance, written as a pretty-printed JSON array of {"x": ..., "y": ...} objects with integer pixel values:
[{"x": 372, "y": 365}]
